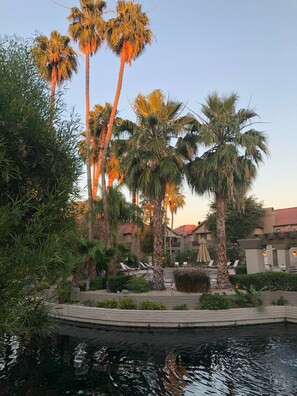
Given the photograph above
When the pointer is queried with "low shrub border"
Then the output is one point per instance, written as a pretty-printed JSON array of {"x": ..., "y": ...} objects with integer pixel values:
[{"x": 270, "y": 280}]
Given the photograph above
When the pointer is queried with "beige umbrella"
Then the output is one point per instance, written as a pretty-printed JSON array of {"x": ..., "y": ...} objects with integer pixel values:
[{"x": 203, "y": 255}]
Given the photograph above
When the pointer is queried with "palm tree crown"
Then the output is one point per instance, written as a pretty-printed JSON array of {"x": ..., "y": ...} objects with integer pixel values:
[
  {"x": 87, "y": 26},
  {"x": 128, "y": 33},
  {"x": 233, "y": 151},
  {"x": 56, "y": 60}
]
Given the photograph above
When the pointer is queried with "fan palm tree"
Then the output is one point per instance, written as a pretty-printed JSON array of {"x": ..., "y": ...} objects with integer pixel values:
[
  {"x": 87, "y": 27},
  {"x": 173, "y": 200},
  {"x": 233, "y": 151},
  {"x": 55, "y": 59},
  {"x": 153, "y": 161},
  {"x": 127, "y": 35}
]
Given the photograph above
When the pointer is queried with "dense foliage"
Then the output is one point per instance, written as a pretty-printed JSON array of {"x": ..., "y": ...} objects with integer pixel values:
[
  {"x": 118, "y": 282},
  {"x": 241, "y": 219},
  {"x": 214, "y": 301},
  {"x": 39, "y": 168},
  {"x": 269, "y": 280},
  {"x": 191, "y": 280}
]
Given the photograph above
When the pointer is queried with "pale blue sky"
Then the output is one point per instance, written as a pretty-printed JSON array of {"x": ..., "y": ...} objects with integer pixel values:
[{"x": 200, "y": 46}]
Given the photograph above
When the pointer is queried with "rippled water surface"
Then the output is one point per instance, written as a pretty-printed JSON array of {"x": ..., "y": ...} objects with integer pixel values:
[{"x": 80, "y": 361}]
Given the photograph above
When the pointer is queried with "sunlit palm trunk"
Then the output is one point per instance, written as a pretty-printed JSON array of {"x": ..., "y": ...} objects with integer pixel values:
[
  {"x": 108, "y": 136},
  {"x": 99, "y": 163},
  {"x": 158, "y": 280},
  {"x": 223, "y": 276},
  {"x": 89, "y": 179},
  {"x": 52, "y": 99},
  {"x": 170, "y": 240}
]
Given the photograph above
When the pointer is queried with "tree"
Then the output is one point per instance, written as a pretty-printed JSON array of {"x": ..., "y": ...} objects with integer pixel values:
[
  {"x": 87, "y": 28},
  {"x": 39, "y": 166},
  {"x": 55, "y": 59},
  {"x": 127, "y": 35},
  {"x": 153, "y": 161},
  {"x": 174, "y": 200},
  {"x": 233, "y": 151},
  {"x": 240, "y": 220}
]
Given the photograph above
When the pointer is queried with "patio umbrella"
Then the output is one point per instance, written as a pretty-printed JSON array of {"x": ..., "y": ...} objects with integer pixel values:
[{"x": 203, "y": 255}]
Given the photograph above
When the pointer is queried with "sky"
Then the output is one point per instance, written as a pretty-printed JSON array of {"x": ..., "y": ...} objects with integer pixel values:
[{"x": 200, "y": 46}]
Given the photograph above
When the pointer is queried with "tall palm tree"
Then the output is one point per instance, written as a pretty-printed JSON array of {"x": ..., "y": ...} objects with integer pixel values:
[
  {"x": 87, "y": 27},
  {"x": 127, "y": 35},
  {"x": 153, "y": 161},
  {"x": 55, "y": 59},
  {"x": 174, "y": 200},
  {"x": 233, "y": 151}
]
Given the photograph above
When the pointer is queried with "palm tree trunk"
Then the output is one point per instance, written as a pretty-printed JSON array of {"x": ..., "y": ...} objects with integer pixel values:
[
  {"x": 223, "y": 276},
  {"x": 170, "y": 239},
  {"x": 88, "y": 163},
  {"x": 158, "y": 280},
  {"x": 108, "y": 136},
  {"x": 105, "y": 204},
  {"x": 52, "y": 98},
  {"x": 99, "y": 162}
]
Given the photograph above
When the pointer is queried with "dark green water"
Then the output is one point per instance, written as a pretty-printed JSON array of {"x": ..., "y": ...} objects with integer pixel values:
[{"x": 78, "y": 361}]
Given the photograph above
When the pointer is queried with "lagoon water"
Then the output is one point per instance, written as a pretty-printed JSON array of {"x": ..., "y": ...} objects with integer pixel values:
[{"x": 244, "y": 361}]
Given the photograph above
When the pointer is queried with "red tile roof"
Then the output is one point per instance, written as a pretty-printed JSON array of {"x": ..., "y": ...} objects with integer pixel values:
[
  {"x": 285, "y": 217},
  {"x": 185, "y": 229}
]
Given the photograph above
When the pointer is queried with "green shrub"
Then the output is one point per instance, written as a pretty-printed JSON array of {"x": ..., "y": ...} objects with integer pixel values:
[
  {"x": 214, "y": 301},
  {"x": 118, "y": 282},
  {"x": 127, "y": 303},
  {"x": 152, "y": 306},
  {"x": 63, "y": 292},
  {"x": 240, "y": 269},
  {"x": 138, "y": 284},
  {"x": 191, "y": 280},
  {"x": 280, "y": 301},
  {"x": 270, "y": 280},
  {"x": 82, "y": 286},
  {"x": 89, "y": 303},
  {"x": 98, "y": 283},
  {"x": 107, "y": 304},
  {"x": 181, "y": 307},
  {"x": 249, "y": 297}
]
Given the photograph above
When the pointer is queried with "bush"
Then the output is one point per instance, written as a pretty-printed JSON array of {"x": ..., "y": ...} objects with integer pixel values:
[
  {"x": 249, "y": 297},
  {"x": 127, "y": 303},
  {"x": 191, "y": 280},
  {"x": 98, "y": 283},
  {"x": 181, "y": 307},
  {"x": 240, "y": 269},
  {"x": 89, "y": 303},
  {"x": 214, "y": 301},
  {"x": 280, "y": 301},
  {"x": 138, "y": 284},
  {"x": 118, "y": 282},
  {"x": 107, "y": 304},
  {"x": 63, "y": 292},
  {"x": 152, "y": 306},
  {"x": 270, "y": 280}
]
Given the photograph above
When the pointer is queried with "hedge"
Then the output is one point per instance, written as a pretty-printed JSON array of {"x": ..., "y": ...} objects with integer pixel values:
[
  {"x": 118, "y": 282},
  {"x": 191, "y": 280},
  {"x": 270, "y": 280}
]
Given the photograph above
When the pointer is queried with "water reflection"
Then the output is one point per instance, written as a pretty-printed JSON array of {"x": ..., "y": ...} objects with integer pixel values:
[{"x": 80, "y": 361}]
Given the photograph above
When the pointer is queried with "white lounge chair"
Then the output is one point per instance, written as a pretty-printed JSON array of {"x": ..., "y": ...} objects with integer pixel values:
[
  {"x": 229, "y": 263},
  {"x": 176, "y": 264},
  {"x": 149, "y": 266},
  {"x": 125, "y": 268},
  {"x": 142, "y": 265},
  {"x": 210, "y": 264},
  {"x": 236, "y": 262},
  {"x": 185, "y": 263}
]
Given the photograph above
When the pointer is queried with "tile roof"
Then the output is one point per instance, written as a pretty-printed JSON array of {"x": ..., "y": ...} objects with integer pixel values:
[
  {"x": 286, "y": 216},
  {"x": 185, "y": 229}
]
